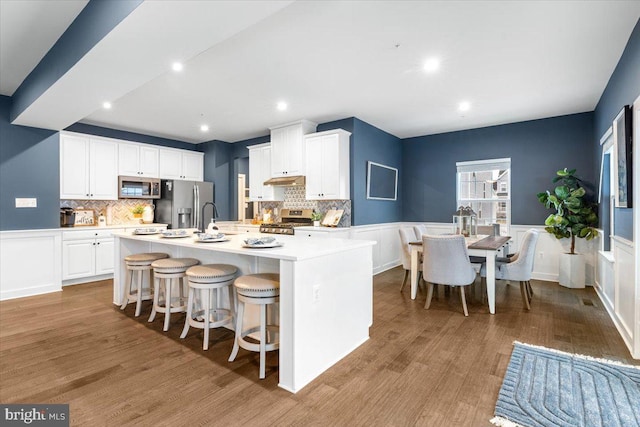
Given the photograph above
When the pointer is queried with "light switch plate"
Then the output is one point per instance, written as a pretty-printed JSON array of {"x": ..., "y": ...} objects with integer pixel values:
[{"x": 31, "y": 202}]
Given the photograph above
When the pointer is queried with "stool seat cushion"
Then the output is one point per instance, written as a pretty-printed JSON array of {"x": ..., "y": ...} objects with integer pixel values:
[
  {"x": 174, "y": 265},
  {"x": 211, "y": 271},
  {"x": 258, "y": 285},
  {"x": 144, "y": 258}
]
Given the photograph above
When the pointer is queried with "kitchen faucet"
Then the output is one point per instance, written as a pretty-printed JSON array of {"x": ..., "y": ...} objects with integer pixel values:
[{"x": 213, "y": 218}]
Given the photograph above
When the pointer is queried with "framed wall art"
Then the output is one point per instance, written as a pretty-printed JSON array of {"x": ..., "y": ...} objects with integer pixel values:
[
  {"x": 623, "y": 173},
  {"x": 382, "y": 182}
]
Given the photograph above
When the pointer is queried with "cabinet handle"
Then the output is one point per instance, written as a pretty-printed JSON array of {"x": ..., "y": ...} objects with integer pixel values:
[
  {"x": 87, "y": 195},
  {"x": 98, "y": 243}
]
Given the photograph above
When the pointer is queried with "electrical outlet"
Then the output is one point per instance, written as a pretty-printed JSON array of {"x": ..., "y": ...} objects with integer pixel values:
[
  {"x": 316, "y": 293},
  {"x": 26, "y": 202},
  {"x": 541, "y": 255}
]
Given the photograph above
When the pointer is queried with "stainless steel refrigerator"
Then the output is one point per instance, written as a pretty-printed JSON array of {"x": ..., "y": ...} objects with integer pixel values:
[{"x": 180, "y": 203}]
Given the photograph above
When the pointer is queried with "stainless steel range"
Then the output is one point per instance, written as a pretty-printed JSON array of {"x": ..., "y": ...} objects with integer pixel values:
[{"x": 290, "y": 218}]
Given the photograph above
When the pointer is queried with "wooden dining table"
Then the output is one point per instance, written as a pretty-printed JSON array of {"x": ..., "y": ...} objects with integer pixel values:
[{"x": 482, "y": 246}]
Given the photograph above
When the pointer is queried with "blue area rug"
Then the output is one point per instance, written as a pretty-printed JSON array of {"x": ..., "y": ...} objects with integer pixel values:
[{"x": 544, "y": 388}]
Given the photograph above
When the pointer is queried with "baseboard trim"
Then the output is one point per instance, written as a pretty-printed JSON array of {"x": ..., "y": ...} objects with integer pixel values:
[{"x": 29, "y": 292}]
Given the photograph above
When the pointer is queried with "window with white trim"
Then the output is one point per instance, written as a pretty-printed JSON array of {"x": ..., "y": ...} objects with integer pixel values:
[
  {"x": 607, "y": 194},
  {"x": 485, "y": 185}
]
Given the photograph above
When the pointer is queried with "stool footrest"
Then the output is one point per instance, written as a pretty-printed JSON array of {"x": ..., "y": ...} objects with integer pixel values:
[
  {"x": 224, "y": 313},
  {"x": 247, "y": 345}
]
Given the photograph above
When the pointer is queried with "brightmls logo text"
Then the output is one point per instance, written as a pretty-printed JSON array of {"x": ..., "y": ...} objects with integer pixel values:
[
  {"x": 27, "y": 417},
  {"x": 36, "y": 415}
]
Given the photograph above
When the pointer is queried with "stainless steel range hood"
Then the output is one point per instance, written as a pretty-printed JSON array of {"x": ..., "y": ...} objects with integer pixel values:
[{"x": 286, "y": 181}]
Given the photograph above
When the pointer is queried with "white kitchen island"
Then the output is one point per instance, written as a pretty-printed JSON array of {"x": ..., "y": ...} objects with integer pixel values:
[{"x": 326, "y": 292}]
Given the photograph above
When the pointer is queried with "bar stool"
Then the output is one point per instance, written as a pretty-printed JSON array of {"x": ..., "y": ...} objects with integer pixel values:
[
  {"x": 260, "y": 289},
  {"x": 140, "y": 263},
  {"x": 208, "y": 278},
  {"x": 165, "y": 272}
]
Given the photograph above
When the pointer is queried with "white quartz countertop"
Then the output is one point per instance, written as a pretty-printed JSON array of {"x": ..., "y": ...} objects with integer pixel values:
[
  {"x": 292, "y": 248},
  {"x": 113, "y": 226},
  {"x": 323, "y": 229},
  {"x": 80, "y": 228}
]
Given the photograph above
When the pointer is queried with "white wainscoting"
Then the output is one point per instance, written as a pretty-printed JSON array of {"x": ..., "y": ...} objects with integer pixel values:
[
  {"x": 619, "y": 292},
  {"x": 606, "y": 279},
  {"x": 386, "y": 252},
  {"x": 30, "y": 263}
]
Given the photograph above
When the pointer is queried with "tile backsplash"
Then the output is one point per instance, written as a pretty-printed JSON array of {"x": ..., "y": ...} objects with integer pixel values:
[
  {"x": 120, "y": 209},
  {"x": 294, "y": 198}
]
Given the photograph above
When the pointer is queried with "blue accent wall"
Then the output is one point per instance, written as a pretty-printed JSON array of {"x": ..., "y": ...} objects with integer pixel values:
[
  {"x": 131, "y": 136},
  {"x": 218, "y": 168},
  {"x": 368, "y": 143},
  {"x": 222, "y": 164},
  {"x": 94, "y": 22},
  {"x": 537, "y": 149},
  {"x": 29, "y": 167},
  {"x": 623, "y": 88}
]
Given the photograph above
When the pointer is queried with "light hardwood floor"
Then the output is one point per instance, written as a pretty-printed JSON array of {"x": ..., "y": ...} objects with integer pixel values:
[{"x": 434, "y": 368}]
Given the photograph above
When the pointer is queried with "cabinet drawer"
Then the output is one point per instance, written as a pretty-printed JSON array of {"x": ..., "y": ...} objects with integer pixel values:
[{"x": 87, "y": 234}]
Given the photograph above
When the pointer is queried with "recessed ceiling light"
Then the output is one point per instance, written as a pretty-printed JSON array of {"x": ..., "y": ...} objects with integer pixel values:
[
  {"x": 431, "y": 65},
  {"x": 106, "y": 105},
  {"x": 177, "y": 66},
  {"x": 464, "y": 106},
  {"x": 204, "y": 128},
  {"x": 281, "y": 106}
]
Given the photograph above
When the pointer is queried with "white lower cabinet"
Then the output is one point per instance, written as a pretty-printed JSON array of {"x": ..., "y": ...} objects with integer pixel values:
[
  {"x": 105, "y": 261},
  {"x": 78, "y": 258},
  {"x": 87, "y": 253}
]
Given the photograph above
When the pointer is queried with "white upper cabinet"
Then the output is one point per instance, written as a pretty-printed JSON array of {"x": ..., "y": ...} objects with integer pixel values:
[
  {"x": 259, "y": 172},
  {"x": 181, "y": 164},
  {"x": 193, "y": 165},
  {"x": 138, "y": 160},
  {"x": 287, "y": 148},
  {"x": 74, "y": 167},
  {"x": 88, "y": 168},
  {"x": 103, "y": 169},
  {"x": 327, "y": 165}
]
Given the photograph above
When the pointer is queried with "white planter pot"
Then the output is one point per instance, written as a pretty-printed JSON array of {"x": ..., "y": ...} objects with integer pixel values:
[{"x": 572, "y": 270}]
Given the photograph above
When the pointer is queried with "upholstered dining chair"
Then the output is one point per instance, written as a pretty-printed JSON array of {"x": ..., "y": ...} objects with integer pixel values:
[
  {"x": 446, "y": 262},
  {"x": 489, "y": 230},
  {"x": 407, "y": 235},
  {"x": 420, "y": 230},
  {"x": 519, "y": 267}
]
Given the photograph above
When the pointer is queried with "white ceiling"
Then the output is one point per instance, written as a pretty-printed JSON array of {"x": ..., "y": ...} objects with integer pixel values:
[
  {"x": 512, "y": 61},
  {"x": 28, "y": 29}
]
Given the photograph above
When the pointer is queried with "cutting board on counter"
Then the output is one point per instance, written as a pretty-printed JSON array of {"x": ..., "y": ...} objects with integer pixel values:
[{"x": 332, "y": 217}]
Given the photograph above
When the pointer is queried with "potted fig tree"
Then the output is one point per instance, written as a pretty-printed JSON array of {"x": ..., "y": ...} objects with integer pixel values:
[{"x": 575, "y": 216}]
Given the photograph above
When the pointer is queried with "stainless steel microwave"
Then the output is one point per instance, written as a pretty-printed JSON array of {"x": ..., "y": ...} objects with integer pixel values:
[{"x": 136, "y": 187}]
